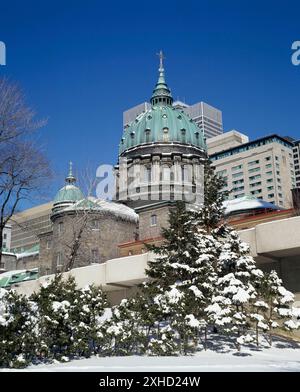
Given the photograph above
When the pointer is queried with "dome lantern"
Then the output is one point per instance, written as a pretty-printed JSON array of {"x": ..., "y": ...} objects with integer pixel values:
[
  {"x": 161, "y": 93},
  {"x": 69, "y": 194}
]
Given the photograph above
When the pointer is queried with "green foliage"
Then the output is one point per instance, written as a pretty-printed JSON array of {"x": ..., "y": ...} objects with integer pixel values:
[{"x": 18, "y": 330}]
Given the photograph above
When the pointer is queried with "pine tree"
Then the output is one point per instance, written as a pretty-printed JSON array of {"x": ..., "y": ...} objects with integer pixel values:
[
  {"x": 18, "y": 330},
  {"x": 88, "y": 306},
  {"x": 124, "y": 329},
  {"x": 276, "y": 305},
  {"x": 54, "y": 301},
  {"x": 182, "y": 281},
  {"x": 211, "y": 213}
]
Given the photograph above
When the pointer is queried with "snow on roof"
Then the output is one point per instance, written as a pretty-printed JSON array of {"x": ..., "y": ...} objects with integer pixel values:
[
  {"x": 247, "y": 203},
  {"x": 117, "y": 209},
  {"x": 26, "y": 254},
  {"x": 17, "y": 272}
]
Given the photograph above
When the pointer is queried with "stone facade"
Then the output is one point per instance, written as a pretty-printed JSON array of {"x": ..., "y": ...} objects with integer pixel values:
[
  {"x": 152, "y": 220},
  {"x": 99, "y": 234}
]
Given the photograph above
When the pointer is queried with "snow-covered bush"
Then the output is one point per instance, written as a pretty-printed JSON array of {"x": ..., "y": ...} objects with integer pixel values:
[
  {"x": 18, "y": 330},
  {"x": 123, "y": 330},
  {"x": 69, "y": 319}
]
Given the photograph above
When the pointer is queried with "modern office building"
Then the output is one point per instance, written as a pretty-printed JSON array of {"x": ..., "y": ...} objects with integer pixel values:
[
  {"x": 226, "y": 141},
  {"x": 207, "y": 117},
  {"x": 6, "y": 238},
  {"x": 296, "y": 156},
  {"x": 27, "y": 225},
  {"x": 263, "y": 168}
]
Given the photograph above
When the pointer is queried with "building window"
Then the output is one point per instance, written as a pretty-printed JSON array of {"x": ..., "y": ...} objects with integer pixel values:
[
  {"x": 147, "y": 133},
  {"x": 59, "y": 259},
  {"x": 252, "y": 163},
  {"x": 153, "y": 220},
  {"x": 4, "y": 236},
  {"x": 237, "y": 189},
  {"x": 255, "y": 169},
  {"x": 184, "y": 173},
  {"x": 95, "y": 255},
  {"x": 221, "y": 173},
  {"x": 235, "y": 168},
  {"x": 183, "y": 134},
  {"x": 95, "y": 224},
  {"x": 238, "y": 182},
  {"x": 49, "y": 244},
  {"x": 165, "y": 174},
  {"x": 60, "y": 227},
  {"x": 270, "y": 195},
  {"x": 255, "y": 192},
  {"x": 255, "y": 177},
  {"x": 237, "y": 174},
  {"x": 147, "y": 174}
]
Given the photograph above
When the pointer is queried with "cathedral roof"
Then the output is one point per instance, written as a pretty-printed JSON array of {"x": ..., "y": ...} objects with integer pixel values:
[
  {"x": 162, "y": 123},
  {"x": 68, "y": 194},
  {"x": 103, "y": 206}
]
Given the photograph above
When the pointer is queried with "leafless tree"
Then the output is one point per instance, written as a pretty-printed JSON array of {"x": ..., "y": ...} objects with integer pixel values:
[
  {"x": 79, "y": 230},
  {"x": 87, "y": 180},
  {"x": 23, "y": 166}
]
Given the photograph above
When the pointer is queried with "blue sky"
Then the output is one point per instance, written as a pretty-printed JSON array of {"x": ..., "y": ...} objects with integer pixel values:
[{"x": 82, "y": 63}]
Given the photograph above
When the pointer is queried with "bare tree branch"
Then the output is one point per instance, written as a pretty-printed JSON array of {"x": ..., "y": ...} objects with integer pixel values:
[{"x": 24, "y": 168}]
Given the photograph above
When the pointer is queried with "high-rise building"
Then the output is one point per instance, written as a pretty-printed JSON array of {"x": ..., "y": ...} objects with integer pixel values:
[
  {"x": 296, "y": 156},
  {"x": 207, "y": 117},
  {"x": 263, "y": 168}
]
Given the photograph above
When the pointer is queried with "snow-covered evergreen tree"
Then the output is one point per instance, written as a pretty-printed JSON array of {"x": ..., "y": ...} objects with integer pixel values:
[
  {"x": 18, "y": 330},
  {"x": 124, "y": 329},
  {"x": 87, "y": 308},
  {"x": 54, "y": 301},
  {"x": 276, "y": 305},
  {"x": 182, "y": 281},
  {"x": 70, "y": 319}
]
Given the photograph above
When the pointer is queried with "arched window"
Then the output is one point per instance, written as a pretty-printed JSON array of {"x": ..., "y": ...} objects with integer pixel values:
[
  {"x": 147, "y": 133},
  {"x": 183, "y": 135},
  {"x": 153, "y": 220}
]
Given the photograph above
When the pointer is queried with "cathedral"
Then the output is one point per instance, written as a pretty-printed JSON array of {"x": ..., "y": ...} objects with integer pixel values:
[{"x": 161, "y": 155}]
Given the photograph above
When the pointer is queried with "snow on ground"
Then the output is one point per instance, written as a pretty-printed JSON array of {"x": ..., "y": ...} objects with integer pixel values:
[{"x": 284, "y": 356}]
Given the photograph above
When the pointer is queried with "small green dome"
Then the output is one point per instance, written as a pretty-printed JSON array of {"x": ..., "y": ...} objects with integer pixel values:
[
  {"x": 162, "y": 124},
  {"x": 69, "y": 193}
]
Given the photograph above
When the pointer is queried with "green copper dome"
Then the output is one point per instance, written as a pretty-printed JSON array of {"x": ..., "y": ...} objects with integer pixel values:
[
  {"x": 162, "y": 123},
  {"x": 70, "y": 193}
]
